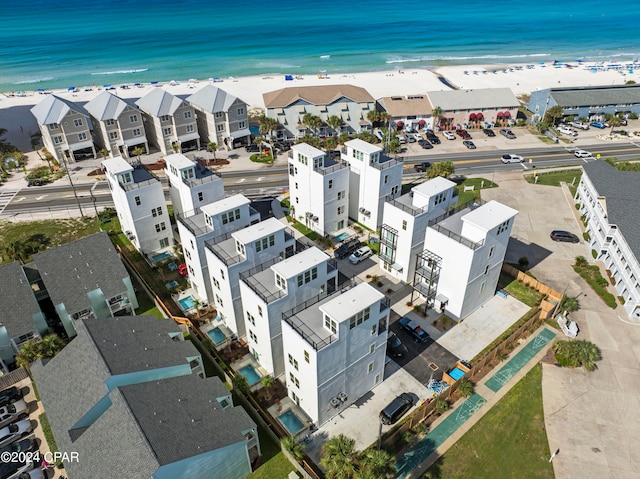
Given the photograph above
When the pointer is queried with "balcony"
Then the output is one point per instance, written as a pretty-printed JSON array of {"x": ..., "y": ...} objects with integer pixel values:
[
  {"x": 398, "y": 203},
  {"x": 194, "y": 222},
  {"x": 387, "y": 163},
  {"x": 141, "y": 177},
  {"x": 456, "y": 237}
]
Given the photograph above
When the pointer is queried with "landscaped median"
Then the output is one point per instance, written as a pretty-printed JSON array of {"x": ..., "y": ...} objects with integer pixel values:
[{"x": 591, "y": 274}]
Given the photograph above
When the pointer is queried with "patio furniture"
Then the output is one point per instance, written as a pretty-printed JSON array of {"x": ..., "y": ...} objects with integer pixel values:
[{"x": 172, "y": 266}]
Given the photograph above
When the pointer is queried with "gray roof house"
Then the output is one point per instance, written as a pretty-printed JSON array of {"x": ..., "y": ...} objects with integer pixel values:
[
  {"x": 118, "y": 124},
  {"x": 171, "y": 121},
  {"x": 592, "y": 103},
  {"x": 127, "y": 396},
  {"x": 65, "y": 129},
  {"x": 222, "y": 118}
]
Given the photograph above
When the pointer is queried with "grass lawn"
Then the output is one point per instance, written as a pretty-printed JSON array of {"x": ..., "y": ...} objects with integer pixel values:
[
  {"x": 477, "y": 183},
  {"x": 520, "y": 291},
  {"x": 312, "y": 235},
  {"x": 509, "y": 441},
  {"x": 273, "y": 464},
  {"x": 553, "y": 178},
  {"x": 145, "y": 303}
]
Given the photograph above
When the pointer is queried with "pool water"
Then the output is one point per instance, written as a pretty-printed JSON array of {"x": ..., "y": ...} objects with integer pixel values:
[
  {"x": 342, "y": 236},
  {"x": 161, "y": 256},
  {"x": 291, "y": 421},
  {"x": 250, "y": 375},
  {"x": 456, "y": 373},
  {"x": 216, "y": 335},
  {"x": 187, "y": 303}
]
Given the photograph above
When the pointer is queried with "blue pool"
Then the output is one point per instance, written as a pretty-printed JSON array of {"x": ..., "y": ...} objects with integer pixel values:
[
  {"x": 187, "y": 303},
  {"x": 250, "y": 375},
  {"x": 291, "y": 421},
  {"x": 161, "y": 256},
  {"x": 456, "y": 373},
  {"x": 342, "y": 236},
  {"x": 216, "y": 335}
]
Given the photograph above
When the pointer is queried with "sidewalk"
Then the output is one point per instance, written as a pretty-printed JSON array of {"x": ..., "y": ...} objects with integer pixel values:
[{"x": 468, "y": 412}]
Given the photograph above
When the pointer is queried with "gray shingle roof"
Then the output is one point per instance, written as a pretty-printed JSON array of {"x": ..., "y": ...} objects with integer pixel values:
[
  {"x": 180, "y": 416},
  {"x": 53, "y": 109},
  {"x": 159, "y": 102},
  {"x": 17, "y": 302},
  {"x": 105, "y": 106},
  {"x": 592, "y": 96},
  {"x": 74, "y": 269},
  {"x": 620, "y": 188},
  {"x": 212, "y": 99},
  {"x": 483, "y": 98}
]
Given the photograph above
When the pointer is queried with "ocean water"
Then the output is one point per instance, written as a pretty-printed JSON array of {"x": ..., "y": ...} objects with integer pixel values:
[{"x": 46, "y": 44}]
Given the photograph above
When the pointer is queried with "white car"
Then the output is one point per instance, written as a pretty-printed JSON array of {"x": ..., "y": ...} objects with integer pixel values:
[
  {"x": 567, "y": 131},
  {"x": 579, "y": 124},
  {"x": 13, "y": 411},
  {"x": 510, "y": 158},
  {"x": 448, "y": 135},
  {"x": 582, "y": 154},
  {"x": 14, "y": 431},
  {"x": 360, "y": 255}
]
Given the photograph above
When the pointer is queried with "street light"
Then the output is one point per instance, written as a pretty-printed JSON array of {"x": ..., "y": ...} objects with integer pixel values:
[{"x": 75, "y": 193}]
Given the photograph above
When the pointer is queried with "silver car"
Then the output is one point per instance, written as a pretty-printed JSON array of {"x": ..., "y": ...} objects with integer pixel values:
[
  {"x": 13, "y": 411},
  {"x": 360, "y": 255},
  {"x": 14, "y": 431}
]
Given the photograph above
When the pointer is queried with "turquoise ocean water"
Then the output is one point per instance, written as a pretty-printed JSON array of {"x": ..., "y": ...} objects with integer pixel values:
[{"x": 47, "y": 44}]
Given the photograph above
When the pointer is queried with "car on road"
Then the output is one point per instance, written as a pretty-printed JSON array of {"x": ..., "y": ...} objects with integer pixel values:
[
  {"x": 469, "y": 144},
  {"x": 422, "y": 167},
  {"x": 9, "y": 395},
  {"x": 414, "y": 330},
  {"x": 395, "y": 348},
  {"x": 489, "y": 132},
  {"x": 579, "y": 124},
  {"x": 425, "y": 144},
  {"x": 252, "y": 148},
  {"x": 15, "y": 431},
  {"x": 360, "y": 255},
  {"x": 582, "y": 154},
  {"x": 347, "y": 247},
  {"x": 396, "y": 409},
  {"x": 597, "y": 124},
  {"x": 448, "y": 135},
  {"x": 13, "y": 411},
  {"x": 507, "y": 133},
  {"x": 511, "y": 158},
  {"x": 564, "y": 236}
]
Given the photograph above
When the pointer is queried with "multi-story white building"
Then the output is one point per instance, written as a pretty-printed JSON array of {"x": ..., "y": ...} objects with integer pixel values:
[
  {"x": 139, "y": 200},
  {"x": 405, "y": 222},
  {"x": 210, "y": 222},
  {"x": 65, "y": 129},
  {"x": 222, "y": 118},
  {"x": 233, "y": 253},
  {"x": 373, "y": 178},
  {"x": 609, "y": 201},
  {"x": 191, "y": 185},
  {"x": 119, "y": 125},
  {"x": 171, "y": 122},
  {"x": 463, "y": 257},
  {"x": 335, "y": 349},
  {"x": 319, "y": 189},
  {"x": 270, "y": 289}
]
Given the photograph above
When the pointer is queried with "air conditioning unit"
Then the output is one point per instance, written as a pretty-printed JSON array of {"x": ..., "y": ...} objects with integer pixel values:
[
  {"x": 315, "y": 218},
  {"x": 361, "y": 210},
  {"x": 335, "y": 402},
  {"x": 343, "y": 397},
  {"x": 367, "y": 213}
]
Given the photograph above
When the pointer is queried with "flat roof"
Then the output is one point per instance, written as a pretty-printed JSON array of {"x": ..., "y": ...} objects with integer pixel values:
[
  {"x": 489, "y": 215},
  {"x": 434, "y": 186},
  {"x": 362, "y": 146},
  {"x": 117, "y": 165},
  {"x": 225, "y": 204},
  {"x": 259, "y": 230},
  {"x": 352, "y": 301},
  {"x": 179, "y": 160},
  {"x": 481, "y": 98},
  {"x": 307, "y": 150},
  {"x": 300, "y": 262}
]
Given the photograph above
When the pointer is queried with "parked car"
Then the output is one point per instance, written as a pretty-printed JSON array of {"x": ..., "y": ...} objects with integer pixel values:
[
  {"x": 582, "y": 154},
  {"x": 469, "y": 144},
  {"x": 414, "y": 330},
  {"x": 411, "y": 138},
  {"x": 425, "y": 144},
  {"x": 507, "y": 133},
  {"x": 401, "y": 139},
  {"x": 396, "y": 409},
  {"x": 567, "y": 131},
  {"x": 395, "y": 347},
  {"x": 13, "y": 411},
  {"x": 347, "y": 247},
  {"x": 464, "y": 134},
  {"x": 282, "y": 146},
  {"x": 511, "y": 158},
  {"x": 15, "y": 431},
  {"x": 9, "y": 395},
  {"x": 422, "y": 167},
  {"x": 25, "y": 445},
  {"x": 360, "y": 255},
  {"x": 433, "y": 138},
  {"x": 448, "y": 135},
  {"x": 20, "y": 470},
  {"x": 565, "y": 236},
  {"x": 252, "y": 148},
  {"x": 579, "y": 124},
  {"x": 597, "y": 124},
  {"x": 489, "y": 132},
  {"x": 183, "y": 270}
]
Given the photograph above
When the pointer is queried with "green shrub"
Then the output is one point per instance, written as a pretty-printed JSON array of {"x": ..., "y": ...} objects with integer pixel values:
[
  {"x": 586, "y": 236},
  {"x": 577, "y": 206},
  {"x": 420, "y": 428},
  {"x": 442, "y": 406},
  {"x": 594, "y": 253},
  {"x": 578, "y": 353}
]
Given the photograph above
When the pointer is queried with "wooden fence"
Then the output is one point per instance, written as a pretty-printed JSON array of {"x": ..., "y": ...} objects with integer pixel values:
[
  {"x": 551, "y": 297},
  {"x": 9, "y": 379}
]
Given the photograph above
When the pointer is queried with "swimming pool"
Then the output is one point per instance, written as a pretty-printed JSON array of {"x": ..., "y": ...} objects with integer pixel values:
[
  {"x": 291, "y": 421},
  {"x": 160, "y": 256},
  {"x": 187, "y": 303},
  {"x": 456, "y": 373},
  {"x": 216, "y": 335},
  {"x": 342, "y": 236},
  {"x": 250, "y": 375}
]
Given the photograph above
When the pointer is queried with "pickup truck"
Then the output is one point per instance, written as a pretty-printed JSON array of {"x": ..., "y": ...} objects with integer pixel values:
[
  {"x": 414, "y": 330},
  {"x": 422, "y": 167}
]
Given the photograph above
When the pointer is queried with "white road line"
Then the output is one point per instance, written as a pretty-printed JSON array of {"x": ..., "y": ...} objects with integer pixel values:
[{"x": 5, "y": 198}]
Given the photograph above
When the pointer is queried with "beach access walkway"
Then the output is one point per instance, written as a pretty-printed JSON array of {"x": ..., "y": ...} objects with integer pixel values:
[{"x": 468, "y": 412}]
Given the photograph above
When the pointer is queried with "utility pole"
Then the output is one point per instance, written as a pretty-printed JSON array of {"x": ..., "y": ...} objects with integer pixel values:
[{"x": 75, "y": 193}]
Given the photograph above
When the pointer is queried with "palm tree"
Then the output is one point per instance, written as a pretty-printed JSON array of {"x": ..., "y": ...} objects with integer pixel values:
[
  {"x": 240, "y": 383},
  {"x": 330, "y": 143},
  {"x": 213, "y": 146},
  {"x": 267, "y": 125},
  {"x": 334, "y": 121},
  {"x": 267, "y": 384},
  {"x": 29, "y": 352},
  {"x": 441, "y": 168},
  {"x": 376, "y": 464},
  {"x": 465, "y": 388},
  {"x": 104, "y": 153},
  {"x": 338, "y": 457},
  {"x": 294, "y": 447},
  {"x": 15, "y": 251},
  {"x": 384, "y": 118},
  {"x": 553, "y": 114},
  {"x": 137, "y": 151},
  {"x": 437, "y": 113},
  {"x": 50, "y": 345},
  {"x": 442, "y": 406},
  {"x": 614, "y": 122},
  {"x": 373, "y": 116},
  {"x": 581, "y": 261},
  {"x": 577, "y": 353},
  {"x": 343, "y": 138},
  {"x": 312, "y": 122}
]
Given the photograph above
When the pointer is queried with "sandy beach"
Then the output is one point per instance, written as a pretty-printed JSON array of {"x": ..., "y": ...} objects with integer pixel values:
[{"x": 15, "y": 116}]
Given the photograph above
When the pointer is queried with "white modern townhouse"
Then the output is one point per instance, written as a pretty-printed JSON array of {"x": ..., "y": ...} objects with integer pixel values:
[
  {"x": 118, "y": 124},
  {"x": 404, "y": 225},
  {"x": 171, "y": 122},
  {"x": 222, "y": 118},
  {"x": 236, "y": 252},
  {"x": 210, "y": 223},
  {"x": 65, "y": 129},
  {"x": 139, "y": 200},
  {"x": 272, "y": 288},
  {"x": 464, "y": 249},
  {"x": 609, "y": 202},
  {"x": 335, "y": 349},
  {"x": 373, "y": 178},
  {"x": 191, "y": 185},
  {"x": 319, "y": 189}
]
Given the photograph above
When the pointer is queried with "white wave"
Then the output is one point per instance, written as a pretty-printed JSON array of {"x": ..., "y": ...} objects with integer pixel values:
[
  {"x": 459, "y": 58},
  {"x": 115, "y": 72},
  {"x": 325, "y": 56},
  {"x": 37, "y": 80}
]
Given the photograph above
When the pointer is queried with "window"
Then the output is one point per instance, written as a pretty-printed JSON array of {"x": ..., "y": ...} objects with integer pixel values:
[
  {"x": 370, "y": 367},
  {"x": 303, "y": 159},
  {"x": 296, "y": 185},
  {"x": 137, "y": 200},
  {"x": 239, "y": 248},
  {"x": 386, "y": 179},
  {"x": 113, "y": 135},
  {"x": 164, "y": 242},
  {"x": 314, "y": 273},
  {"x": 157, "y": 212},
  {"x": 439, "y": 198},
  {"x": 404, "y": 225},
  {"x": 251, "y": 319},
  {"x": 503, "y": 227},
  {"x": 340, "y": 210},
  {"x": 242, "y": 125},
  {"x": 341, "y": 195},
  {"x": 294, "y": 380},
  {"x": 133, "y": 118},
  {"x": 200, "y": 196},
  {"x": 253, "y": 336},
  {"x": 220, "y": 127},
  {"x": 137, "y": 132},
  {"x": 189, "y": 128},
  {"x": 53, "y": 126},
  {"x": 482, "y": 286},
  {"x": 187, "y": 114},
  {"x": 110, "y": 122},
  {"x": 330, "y": 324},
  {"x": 164, "y": 118},
  {"x": 260, "y": 310},
  {"x": 372, "y": 349},
  {"x": 57, "y": 140},
  {"x": 219, "y": 114},
  {"x": 82, "y": 136},
  {"x": 330, "y": 183},
  {"x": 486, "y": 269},
  {"x": 306, "y": 356},
  {"x": 241, "y": 112},
  {"x": 216, "y": 283},
  {"x": 222, "y": 274},
  {"x": 77, "y": 122},
  {"x": 491, "y": 251},
  {"x": 166, "y": 131},
  {"x": 161, "y": 227},
  {"x": 374, "y": 329},
  {"x": 378, "y": 378},
  {"x": 281, "y": 282},
  {"x": 219, "y": 299},
  {"x": 293, "y": 361}
]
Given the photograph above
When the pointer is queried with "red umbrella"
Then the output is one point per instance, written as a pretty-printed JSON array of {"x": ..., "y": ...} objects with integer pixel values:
[
  {"x": 500, "y": 114},
  {"x": 479, "y": 116},
  {"x": 506, "y": 114},
  {"x": 472, "y": 117},
  {"x": 422, "y": 123}
]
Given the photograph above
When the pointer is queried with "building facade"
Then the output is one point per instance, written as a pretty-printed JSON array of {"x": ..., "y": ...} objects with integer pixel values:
[{"x": 410, "y": 112}]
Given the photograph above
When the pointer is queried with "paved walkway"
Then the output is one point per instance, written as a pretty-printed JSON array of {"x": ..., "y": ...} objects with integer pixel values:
[{"x": 468, "y": 412}]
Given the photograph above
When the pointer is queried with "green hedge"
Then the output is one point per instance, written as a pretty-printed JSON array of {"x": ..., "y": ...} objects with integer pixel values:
[{"x": 591, "y": 274}]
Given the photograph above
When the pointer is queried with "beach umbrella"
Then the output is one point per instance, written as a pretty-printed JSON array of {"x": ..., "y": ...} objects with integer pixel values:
[
  {"x": 472, "y": 117},
  {"x": 479, "y": 116},
  {"x": 71, "y": 88},
  {"x": 506, "y": 114}
]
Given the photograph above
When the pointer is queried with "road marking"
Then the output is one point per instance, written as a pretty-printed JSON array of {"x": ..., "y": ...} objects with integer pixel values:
[
  {"x": 41, "y": 197},
  {"x": 5, "y": 198},
  {"x": 524, "y": 166}
]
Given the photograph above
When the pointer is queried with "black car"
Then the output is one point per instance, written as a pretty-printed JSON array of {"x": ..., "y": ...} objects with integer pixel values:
[
  {"x": 489, "y": 132},
  {"x": 24, "y": 445},
  {"x": 469, "y": 144},
  {"x": 422, "y": 167},
  {"x": 347, "y": 247},
  {"x": 282, "y": 146},
  {"x": 565, "y": 236},
  {"x": 395, "y": 347},
  {"x": 432, "y": 137},
  {"x": 425, "y": 144},
  {"x": 9, "y": 395},
  {"x": 396, "y": 409},
  {"x": 252, "y": 148}
]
